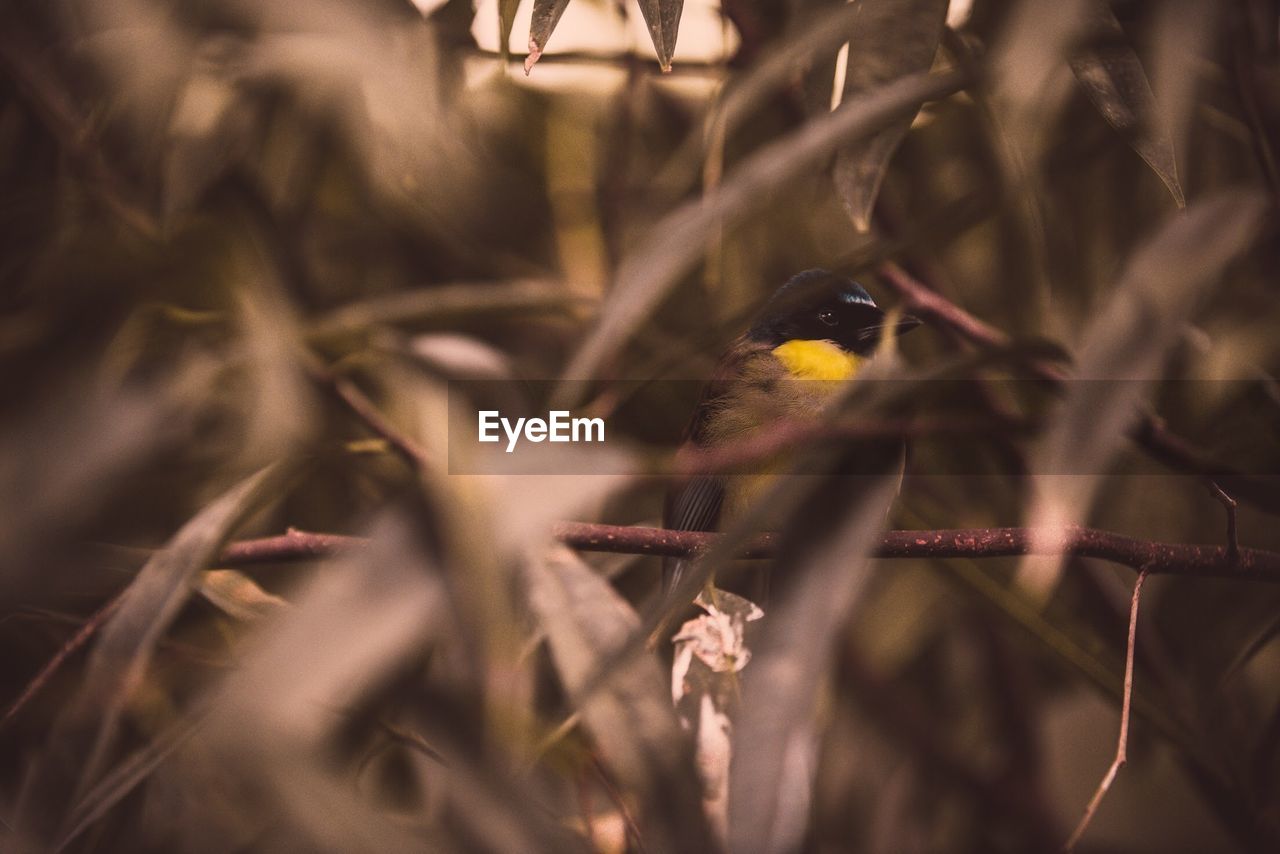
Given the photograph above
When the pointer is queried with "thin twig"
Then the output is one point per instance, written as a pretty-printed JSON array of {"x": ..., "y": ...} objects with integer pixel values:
[
  {"x": 366, "y": 411},
  {"x": 37, "y": 84},
  {"x": 290, "y": 546},
  {"x": 557, "y": 735},
  {"x": 74, "y": 644},
  {"x": 633, "y": 830},
  {"x": 922, "y": 300},
  {"x": 584, "y": 807},
  {"x": 1122, "y": 743},
  {"x": 1233, "y": 543},
  {"x": 1246, "y": 88}
]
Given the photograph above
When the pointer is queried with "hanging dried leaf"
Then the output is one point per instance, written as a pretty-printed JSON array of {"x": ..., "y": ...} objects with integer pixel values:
[
  {"x": 238, "y": 596},
  {"x": 890, "y": 39},
  {"x": 1113, "y": 78},
  {"x": 546, "y": 14},
  {"x": 710, "y": 651},
  {"x": 663, "y": 19}
]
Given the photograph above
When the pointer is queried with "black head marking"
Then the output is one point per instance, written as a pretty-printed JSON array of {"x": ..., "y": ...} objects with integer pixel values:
[{"x": 820, "y": 306}]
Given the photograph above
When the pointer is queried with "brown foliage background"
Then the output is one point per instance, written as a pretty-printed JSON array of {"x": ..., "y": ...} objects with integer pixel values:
[{"x": 245, "y": 246}]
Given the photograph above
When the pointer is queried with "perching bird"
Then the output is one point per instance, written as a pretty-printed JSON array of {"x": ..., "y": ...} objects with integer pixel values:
[{"x": 809, "y": 339}]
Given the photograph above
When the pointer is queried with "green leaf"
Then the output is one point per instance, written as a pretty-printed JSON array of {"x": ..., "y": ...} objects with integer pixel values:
[
  {"x": 546, "y": 14},
  {"x": 892, "y": 38},
  {"x": 1112, "y": 76},
  {"x": 663, "y": 20}
]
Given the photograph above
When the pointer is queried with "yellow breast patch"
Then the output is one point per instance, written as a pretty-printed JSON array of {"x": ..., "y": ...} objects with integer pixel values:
[{"x": 817, "y": 360}]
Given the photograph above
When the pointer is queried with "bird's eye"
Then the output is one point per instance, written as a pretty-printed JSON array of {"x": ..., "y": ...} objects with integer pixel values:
[{"x": 828, "y": 317}]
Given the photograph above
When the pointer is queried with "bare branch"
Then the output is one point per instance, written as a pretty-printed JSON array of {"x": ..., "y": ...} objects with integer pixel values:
[
  {"x": 1158, "y": 558},
  {"x": 73, "y": 644},
  {"x": 1155, "y": 557},
  {"x": 291, "y": 546},
  {"x": 1233, "y": 543},
  {"x": 1145, "y": 555}
]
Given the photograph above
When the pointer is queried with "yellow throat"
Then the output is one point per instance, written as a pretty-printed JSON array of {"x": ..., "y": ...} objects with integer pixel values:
[{"x": 817, "y": 360}]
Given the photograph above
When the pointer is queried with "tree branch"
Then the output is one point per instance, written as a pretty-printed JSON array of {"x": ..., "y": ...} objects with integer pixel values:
[
  {"x": 1156, "y": 557},
  {"x": 1145, "y": 556},
  {"x": 290, "y": 546}
]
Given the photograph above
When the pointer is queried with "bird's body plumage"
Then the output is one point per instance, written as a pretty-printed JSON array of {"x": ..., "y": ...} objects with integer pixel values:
[{"x": 808, "y": 341}]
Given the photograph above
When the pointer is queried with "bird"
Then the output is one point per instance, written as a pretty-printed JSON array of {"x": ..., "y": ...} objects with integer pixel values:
[{"x": 811, "y": 337}]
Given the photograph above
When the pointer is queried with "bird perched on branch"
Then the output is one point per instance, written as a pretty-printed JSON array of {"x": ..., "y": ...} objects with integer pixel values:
[{"x": 811, "y": 338}]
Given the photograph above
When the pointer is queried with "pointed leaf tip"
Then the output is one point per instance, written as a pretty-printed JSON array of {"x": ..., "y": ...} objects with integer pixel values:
[
  {"x": 663, "y": 20},
  {"x": 546, "y": 14},
  {"x": 893, "y": 38},
  {"x": 535, "y": 53},
  {"x": 1112, "y": 76}
]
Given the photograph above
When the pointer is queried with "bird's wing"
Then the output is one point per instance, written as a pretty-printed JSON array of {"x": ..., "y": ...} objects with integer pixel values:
[
  {"x": 696, "y": 505},
  {"x": 693, "y": 507}
]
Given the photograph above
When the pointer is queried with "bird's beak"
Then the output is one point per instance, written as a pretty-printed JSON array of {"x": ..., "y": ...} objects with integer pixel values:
[{"x": 906, "y": 323}]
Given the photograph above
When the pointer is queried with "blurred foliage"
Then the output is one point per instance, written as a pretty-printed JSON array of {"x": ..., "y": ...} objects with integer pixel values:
[{"x": 230, "y": 231}]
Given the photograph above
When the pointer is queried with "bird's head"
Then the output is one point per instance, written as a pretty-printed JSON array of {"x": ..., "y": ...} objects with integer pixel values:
[{"x": 820, "y": 306}]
